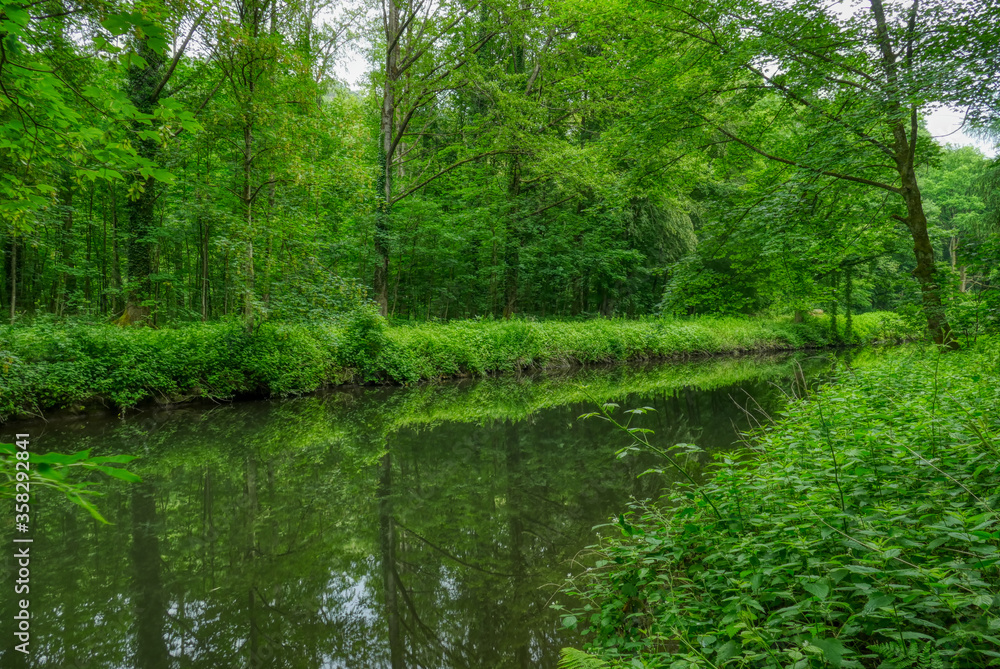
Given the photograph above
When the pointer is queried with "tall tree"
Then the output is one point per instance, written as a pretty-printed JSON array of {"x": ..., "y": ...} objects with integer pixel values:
[
  {"x": 427, "y": 44},
  {"x": 148, "y": 76},
  {"x": 861, "y": 113},
  {"x": 249, "y": 54},
  {"x": 57, "y": 129}
]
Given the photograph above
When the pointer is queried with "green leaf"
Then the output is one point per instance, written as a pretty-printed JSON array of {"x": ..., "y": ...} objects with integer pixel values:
[
  {"x": 877, "y": 601},
  {"x": 123, "y": 474},
  {"x": 117, "y": 24},
  {"x": 162, "y": 175},
  {"x": 48, "y": 471},
  {"x": 59, "y": 458},
  {"x": 726, "y": 651},
  {"x": 571, "y": 658},
  {"x": 157, "y": 44},
  {"x": 983, "y": 601},
  {"x": 110, "y": 175},
  {"x": 818, "y": 589},
  {"x": 17, "y": 14},
  {"x": 833, "y": 650},
  {"x": 86, "y": 504},
  {"x": 135, "y": 60}
]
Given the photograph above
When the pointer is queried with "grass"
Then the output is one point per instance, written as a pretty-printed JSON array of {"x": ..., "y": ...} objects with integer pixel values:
[
  {"x": 861, "y": 530},
  {"x": 71, "y": 366}
]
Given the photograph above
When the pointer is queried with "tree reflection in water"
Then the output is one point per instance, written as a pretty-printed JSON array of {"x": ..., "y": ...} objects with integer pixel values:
[{"x": 253, "y": 541}]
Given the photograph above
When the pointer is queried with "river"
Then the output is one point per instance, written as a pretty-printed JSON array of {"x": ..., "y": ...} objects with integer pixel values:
[{"x": 361, "y": 528}]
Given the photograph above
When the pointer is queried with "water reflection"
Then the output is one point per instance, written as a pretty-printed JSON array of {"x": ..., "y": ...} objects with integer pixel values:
[{"x": 423, "y": 527}]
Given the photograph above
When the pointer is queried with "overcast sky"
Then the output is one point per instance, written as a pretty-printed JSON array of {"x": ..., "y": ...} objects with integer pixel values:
[{"x": 944, "y": 124}]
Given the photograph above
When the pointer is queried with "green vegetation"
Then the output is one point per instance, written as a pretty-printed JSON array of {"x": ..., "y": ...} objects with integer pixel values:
[
  {"x": 267, "y": 515},
  {"x": 55, "y": 366},
  {"x": 195, "y": 205},
  {"x": 166, "y": 163},
  {"x": 861, "y": 530},
  {"x": 23, "y": 473}
]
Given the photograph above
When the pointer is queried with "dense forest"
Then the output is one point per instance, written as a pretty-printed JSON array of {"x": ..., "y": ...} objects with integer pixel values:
[
  {"x": 165, "y": 162},
  {"x": 358, "y": 210}
]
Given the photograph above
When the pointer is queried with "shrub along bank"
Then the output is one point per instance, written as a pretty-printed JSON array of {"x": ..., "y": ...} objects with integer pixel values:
[
  {"x": 50, "y": 366},
  {"x": 859, "y": 531}
]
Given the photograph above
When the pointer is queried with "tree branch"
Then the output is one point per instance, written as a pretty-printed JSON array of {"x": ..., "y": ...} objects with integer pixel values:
[
  {"x": 445, "y": 171},
  {"x": 835, "y": 175},
  {"x": 177, "y": 56}
]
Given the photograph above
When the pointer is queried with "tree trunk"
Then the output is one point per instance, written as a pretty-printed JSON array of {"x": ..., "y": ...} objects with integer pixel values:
[
  {"x": 512, "y": 250},
  {"x": 834, "y": 288},
  {"x": 149, "y": 600},
  {"x": 225, "y": 284},
  {"x": 387, "y": 550},
  {"x": 65, "y": 242},
  {"x": 925, "y": 271},
  {"x": 904, "y": 149},
  {"x": 247, "y": 202},
  {"x": 848, "y": 311},
  {"x": 383, "y": 183},
  {"x": 13, "y": 278},
  {"x": 90, "y": 243},
  {"x": 203, "y": 244},
  {"x": 143, "y": 83},
  {"x": 103, "y": 281},
  {"x": 116, "y": 264},
  {"x": 512, "y": 263}
]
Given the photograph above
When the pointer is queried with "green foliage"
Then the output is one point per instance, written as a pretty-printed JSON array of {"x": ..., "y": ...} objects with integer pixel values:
[
  {"x": 365, "y": 343},
  {"x": 861, "y": 530},
  {"x": 310, "y": 294},
  {"x": 531, "y": 176},
  {"x": 53, "y": 364},
  {"x": 56, "y": 471},
  {"x": 577, "y": 659},
  {"x": 489, "y": 456},
  {"x": 975, "y": 289},
  {"x": 49, "y": 133}
]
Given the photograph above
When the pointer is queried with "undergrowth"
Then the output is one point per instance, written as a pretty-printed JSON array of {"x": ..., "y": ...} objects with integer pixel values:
[
  {"x": 859, "y": 531},
  {"x": 51, "y": 365}
]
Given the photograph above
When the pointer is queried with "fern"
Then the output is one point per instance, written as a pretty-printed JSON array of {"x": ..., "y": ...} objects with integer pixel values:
[
  {"x": 577, "y": 659},
  {"x": 916, "y": 656}
]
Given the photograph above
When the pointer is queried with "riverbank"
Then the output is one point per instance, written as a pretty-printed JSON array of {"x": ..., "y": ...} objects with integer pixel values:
[
  {"x": 71, "y": 367},
  {"x": 861, "y": 530}
]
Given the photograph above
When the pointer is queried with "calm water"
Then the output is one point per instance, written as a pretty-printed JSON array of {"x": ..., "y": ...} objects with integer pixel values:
[{"x": 420, "y": 527}]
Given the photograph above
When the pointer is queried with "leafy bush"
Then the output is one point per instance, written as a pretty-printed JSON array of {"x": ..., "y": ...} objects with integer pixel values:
[{"x": 859, "y": 531}]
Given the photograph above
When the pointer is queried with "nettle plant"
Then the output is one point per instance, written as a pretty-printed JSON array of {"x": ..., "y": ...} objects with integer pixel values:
[{"x": 860, "y": 531}]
